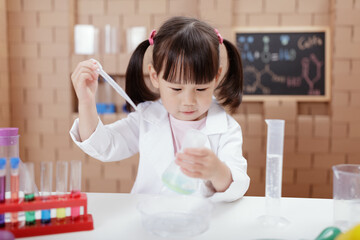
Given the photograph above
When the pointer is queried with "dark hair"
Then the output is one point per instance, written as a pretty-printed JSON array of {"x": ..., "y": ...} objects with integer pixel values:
[{"x": 187, "y": 51}]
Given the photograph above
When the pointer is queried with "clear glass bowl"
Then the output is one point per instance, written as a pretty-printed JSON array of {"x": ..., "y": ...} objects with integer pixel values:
[{"x": 175, "y": 216}]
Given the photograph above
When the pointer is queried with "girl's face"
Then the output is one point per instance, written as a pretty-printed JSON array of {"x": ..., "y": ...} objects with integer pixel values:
[{"x": 188, "y": 102}]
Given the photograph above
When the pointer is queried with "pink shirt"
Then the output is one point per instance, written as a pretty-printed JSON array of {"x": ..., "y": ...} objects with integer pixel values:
[{"x": 179, "y": 128}]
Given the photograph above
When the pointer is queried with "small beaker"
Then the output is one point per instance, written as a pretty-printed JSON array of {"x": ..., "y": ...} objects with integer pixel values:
[
  {"x": 346, "y": 195},
  {"x": 104, "y": 99}
]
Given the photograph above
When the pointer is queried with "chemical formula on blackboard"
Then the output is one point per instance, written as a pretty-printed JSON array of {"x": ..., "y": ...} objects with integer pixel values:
[{"x": 283, "y": 63}]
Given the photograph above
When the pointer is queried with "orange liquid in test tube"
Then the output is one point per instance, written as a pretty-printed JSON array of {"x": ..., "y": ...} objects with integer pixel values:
[{"x": 14, "y": 185}]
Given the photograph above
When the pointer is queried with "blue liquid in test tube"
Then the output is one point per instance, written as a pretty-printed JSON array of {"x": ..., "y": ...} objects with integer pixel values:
[
  {"x": 46, "y": 170},
  {"x": 45, "y": 216}
]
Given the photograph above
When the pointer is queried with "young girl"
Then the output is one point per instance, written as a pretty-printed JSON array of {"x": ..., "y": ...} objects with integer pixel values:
[{"x": 185, "y": 70}]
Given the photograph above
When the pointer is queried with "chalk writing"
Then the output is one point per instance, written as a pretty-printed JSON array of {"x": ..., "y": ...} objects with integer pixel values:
[{"x": 283, "y": 63}]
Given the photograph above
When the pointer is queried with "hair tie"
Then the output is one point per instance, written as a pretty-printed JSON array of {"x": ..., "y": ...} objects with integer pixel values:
[
  {"x": 221, "y": 40},
  {"x": 151, "y": 38}
]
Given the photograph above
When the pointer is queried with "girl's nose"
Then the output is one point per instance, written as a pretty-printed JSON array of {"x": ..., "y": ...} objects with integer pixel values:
[{"x": 189, "y": 98}]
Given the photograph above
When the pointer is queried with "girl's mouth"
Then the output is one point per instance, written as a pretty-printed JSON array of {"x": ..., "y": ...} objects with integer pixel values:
[{"x": 188, "y": 112}]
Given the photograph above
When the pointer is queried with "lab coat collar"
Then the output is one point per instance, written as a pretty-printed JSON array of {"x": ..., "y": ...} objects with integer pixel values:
[{"x": 216, "y": 121}]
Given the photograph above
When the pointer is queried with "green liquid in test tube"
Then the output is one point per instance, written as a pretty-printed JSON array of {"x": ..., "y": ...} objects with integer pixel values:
[
  {"x": 75, "y": 186},
  {"x": 46, "y": 169},
  {"x": 29, "y": 194},
  {"x": 61, "y": 186}
]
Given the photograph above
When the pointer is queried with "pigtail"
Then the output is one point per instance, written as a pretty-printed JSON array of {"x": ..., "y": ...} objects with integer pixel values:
[
  {"x": 231, "y": 87},
  {"x": 135, "y": 85}
]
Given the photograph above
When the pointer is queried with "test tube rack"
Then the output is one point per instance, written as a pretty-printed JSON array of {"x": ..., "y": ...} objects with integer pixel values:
[{"x": 82, "y": 223}]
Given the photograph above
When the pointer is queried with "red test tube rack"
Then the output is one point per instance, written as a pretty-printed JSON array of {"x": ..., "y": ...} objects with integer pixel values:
[{"x": 81, "y": 223}]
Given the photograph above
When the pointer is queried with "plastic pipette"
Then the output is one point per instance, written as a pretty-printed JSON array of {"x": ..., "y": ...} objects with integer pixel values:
[
  {"x": 2, "y": 188},
  {"x": 111, "y": 81},
  {"x": 61, "y": 186}
]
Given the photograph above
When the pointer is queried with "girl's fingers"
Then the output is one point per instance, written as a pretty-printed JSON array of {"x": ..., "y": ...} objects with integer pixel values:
[
  {"x": 191, "y": 158},
  {"x": 88, "y": 66},
  {"x": 88, "y": 63},
  {"x": 85, "y": 66},
  {"x": 196, "y": 151},
  {"x": 93, "y": 74},
  {"x": 85, "y": 74},
  {"x": 191, "y": 174},
  {"x": 190, "y": 166}
]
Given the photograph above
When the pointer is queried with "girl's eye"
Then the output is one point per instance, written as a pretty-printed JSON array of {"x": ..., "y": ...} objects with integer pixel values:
[
  {"x": 176, "y": 89},
  {"x": 201, "y": 89}
]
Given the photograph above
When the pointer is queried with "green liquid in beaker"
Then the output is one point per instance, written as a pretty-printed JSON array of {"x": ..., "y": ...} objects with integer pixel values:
[{"x": 175, "y": 187}]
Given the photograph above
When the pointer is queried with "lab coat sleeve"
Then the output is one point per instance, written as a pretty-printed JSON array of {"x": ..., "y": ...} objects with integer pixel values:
[
  {"x": 112, "y": 142},
  {"x": 230, "y": 152}
]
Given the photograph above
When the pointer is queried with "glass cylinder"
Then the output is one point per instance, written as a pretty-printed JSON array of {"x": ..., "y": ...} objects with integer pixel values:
[
  {"x": 14, "y": 185},
  {"x": 29, "y": 176},
  {"x": 46, "y": 176},
  {"x": 274, "y": 165},
  {"x": 274, "y": 157},
  {"x": 9, "y": 148},
  {"x": 61, "y": 186},
  {"x": 61, "y": 177},
  {"x": 75, "y": 185},
  {"x": 29, "y": 192},
  {"x": 75, "y": 176}
]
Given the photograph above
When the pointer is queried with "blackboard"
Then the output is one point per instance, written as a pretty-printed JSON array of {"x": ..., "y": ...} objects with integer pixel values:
[{"x": 285, "y": 63}]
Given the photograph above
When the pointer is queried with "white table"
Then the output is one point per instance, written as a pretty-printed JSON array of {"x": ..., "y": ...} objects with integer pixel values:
[{"x": 116, "y": 217}]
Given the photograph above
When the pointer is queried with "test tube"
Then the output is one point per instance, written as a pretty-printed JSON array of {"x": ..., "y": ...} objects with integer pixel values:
[
  {"x": 14, "y": 185},
  {"x": 29, "y": 193},
  {"x": 2, "y": 188},
  {"x": 75, "y": 186},
  {"x": 61, "y": 186},
  {"x": 46, "y": 170}
]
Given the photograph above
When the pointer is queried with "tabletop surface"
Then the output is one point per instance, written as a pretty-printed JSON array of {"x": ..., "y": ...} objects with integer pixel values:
[{"x": 116, "y": 217}]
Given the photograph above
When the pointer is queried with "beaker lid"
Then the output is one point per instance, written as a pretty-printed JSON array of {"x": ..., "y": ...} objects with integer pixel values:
[
  {"x": 8, "y": 132},
  {"x": 8, "y": 136}
]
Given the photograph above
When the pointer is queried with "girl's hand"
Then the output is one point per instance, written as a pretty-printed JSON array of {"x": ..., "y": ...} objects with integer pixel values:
[
  {"x": 203, "y": 163},
  {"x": 84, "y": 79}
]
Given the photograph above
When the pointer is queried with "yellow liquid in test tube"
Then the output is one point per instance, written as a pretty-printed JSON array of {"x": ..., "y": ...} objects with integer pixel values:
[
  {"x": 60, "y": 213},
  {"x": 61, "y": 186}
]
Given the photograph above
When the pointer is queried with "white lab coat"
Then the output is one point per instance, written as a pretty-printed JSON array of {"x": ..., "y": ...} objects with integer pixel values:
[{"x": 148, "y": 132}]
